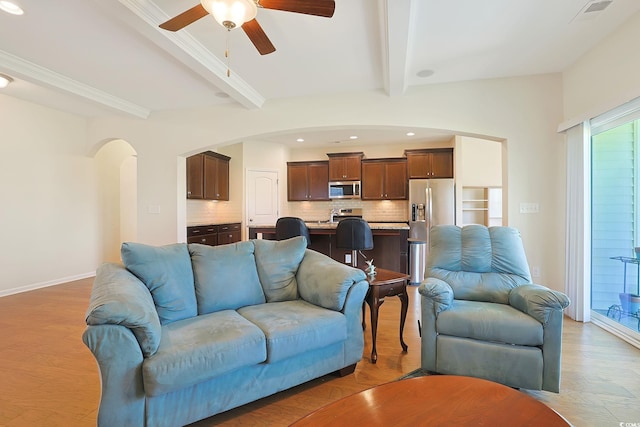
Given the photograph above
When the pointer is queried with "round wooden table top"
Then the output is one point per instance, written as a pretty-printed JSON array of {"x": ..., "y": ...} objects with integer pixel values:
[{"x": 436, "y": 400}]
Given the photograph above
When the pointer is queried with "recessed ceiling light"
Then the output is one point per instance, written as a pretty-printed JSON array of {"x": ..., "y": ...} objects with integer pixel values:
[
  {"x": 411, "y": 134},
  {"x": 221, "y": 95},
  {"x": 4, "y": 81},
  {"x": 11, "y": 7},
  {"x": 353, "y": 137},
  {"x": 425, "y": 73},
  {"x": 300, "y": 140}
]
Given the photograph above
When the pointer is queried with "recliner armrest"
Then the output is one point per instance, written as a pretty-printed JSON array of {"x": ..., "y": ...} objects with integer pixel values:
[
  {"x": 437, "y": 290},
  {"x": 537, "y": 301}
]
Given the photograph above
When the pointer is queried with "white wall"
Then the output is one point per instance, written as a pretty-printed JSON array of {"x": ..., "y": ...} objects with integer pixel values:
[
  {"x": 606, "y": 76},
  {"x": 109, "y": 160},
  {"x": 481, "y": 163},
  {"x": 523, "y": 111},
  {"x": 49, "y": 216}
]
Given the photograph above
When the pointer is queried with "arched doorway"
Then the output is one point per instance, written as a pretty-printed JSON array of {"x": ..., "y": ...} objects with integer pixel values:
[{"x": 116, "y": 165}]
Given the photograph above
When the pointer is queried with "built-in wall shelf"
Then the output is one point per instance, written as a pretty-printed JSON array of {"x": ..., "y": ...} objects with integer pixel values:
[{"x": 482, "y": 205}]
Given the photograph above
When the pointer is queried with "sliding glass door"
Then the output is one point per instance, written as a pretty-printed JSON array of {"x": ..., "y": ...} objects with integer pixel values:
[{"x": 615, "y": 225}]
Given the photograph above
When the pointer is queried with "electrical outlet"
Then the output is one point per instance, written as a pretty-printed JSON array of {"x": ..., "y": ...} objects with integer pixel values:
[{"x": 347, "y": 258}]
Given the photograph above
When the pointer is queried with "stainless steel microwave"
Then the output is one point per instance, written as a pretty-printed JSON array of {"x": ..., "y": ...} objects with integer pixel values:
[{"x": 344, "y": 190}]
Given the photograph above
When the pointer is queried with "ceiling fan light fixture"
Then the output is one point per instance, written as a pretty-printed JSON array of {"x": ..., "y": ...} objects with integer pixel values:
[
  {"x": 231, "y": 13},
  {"x": 11, "y": 7},
  {"x": 4, "y": 80}
]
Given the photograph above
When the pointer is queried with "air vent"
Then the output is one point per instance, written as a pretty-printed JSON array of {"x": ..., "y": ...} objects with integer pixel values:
[
  {"x": 591, "y": 10},
  {"x": 597, "y": 6}
]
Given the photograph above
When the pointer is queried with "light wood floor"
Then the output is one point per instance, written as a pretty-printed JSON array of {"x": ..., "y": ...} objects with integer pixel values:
[{"x": 49, "y": 378}]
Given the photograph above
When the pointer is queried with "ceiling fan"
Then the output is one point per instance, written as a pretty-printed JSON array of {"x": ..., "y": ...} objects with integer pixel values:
[{"x": 234, "y": 13}]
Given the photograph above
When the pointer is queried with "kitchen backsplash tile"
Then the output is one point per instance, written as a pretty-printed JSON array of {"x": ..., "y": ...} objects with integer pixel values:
[
  {"x": 372, "y": 211},
  {"x": 202, "y": 212},
  {"x": 210, "y": 212}
]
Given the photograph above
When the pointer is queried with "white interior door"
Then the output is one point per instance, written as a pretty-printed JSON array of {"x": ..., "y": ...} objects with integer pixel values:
[{"x": 262, "y": 197}]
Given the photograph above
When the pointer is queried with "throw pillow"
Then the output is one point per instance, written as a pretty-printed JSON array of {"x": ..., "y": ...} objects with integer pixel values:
[
  {"x": 278, "y": 263},
  {"x": 166, "y": 271},
  {"x": 225, "y": 276}
]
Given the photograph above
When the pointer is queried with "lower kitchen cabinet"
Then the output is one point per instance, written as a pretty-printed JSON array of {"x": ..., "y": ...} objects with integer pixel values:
[
  {"x": 229, "y": 233},
  {"x": 214, "y": 235}
]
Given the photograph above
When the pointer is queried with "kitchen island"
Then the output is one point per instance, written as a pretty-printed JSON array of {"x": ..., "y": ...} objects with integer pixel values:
[{"x": 390, "y": 245}]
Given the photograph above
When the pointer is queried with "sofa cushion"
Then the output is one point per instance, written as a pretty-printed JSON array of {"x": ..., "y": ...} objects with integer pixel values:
[
  {"x": 277, "y": 263},
  {"x": 166, "y": 271},
  {"x": 120, "y": 298},
  {"x": 295, "y": 327},
  {"x": 488, "y": 321},
  {"x": 225, "y": 276},
  {"x": 196, "y": 349}
]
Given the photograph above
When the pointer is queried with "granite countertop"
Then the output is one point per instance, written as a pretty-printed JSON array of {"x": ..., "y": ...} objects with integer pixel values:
[
  {"x": 323, "y": 225},
  {"x": 201, "y": 224}
]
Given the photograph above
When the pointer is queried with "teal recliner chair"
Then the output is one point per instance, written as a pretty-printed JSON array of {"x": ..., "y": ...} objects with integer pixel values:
[{"x": 482, "y": 316}]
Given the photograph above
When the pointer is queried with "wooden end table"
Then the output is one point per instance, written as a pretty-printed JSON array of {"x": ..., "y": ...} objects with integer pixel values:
[
  {"x": 436, "y": 400},
  {"x": 385, "y": 284}
]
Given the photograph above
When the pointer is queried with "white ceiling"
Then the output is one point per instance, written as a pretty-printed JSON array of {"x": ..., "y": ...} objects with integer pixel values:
[{"x": 105, "y": 57}]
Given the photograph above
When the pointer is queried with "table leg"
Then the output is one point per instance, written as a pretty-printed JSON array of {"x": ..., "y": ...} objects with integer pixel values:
[
  {"x": 364, "y": 322},
  {"x": 404, "y": 298},
  {"x": 374, "y": 304}
]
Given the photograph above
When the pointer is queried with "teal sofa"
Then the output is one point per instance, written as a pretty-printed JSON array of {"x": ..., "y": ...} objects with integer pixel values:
[
  {"x": 183, "y": 332},
  {"x": 481, "y": 314}
]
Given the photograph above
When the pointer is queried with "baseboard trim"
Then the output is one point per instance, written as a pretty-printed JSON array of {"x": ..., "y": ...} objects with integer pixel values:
[
  {"x": 616, "y": 329},
  {"x": 40, "y": 285}
]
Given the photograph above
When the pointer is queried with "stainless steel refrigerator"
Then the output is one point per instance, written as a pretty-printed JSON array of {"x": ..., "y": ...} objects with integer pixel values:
[{"x": 431, "y": 202}]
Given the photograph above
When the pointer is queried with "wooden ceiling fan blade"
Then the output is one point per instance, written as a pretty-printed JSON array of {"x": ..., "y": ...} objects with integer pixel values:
[
  {"x": 185, "y": 18},
  {"x": 309, "y": 7},
  {"x": 258, "y": 37}
]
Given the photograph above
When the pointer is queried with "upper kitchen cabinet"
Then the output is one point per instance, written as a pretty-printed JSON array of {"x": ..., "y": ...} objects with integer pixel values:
[
  {"x": 307, "y": 181},
  {"x": 195, "y": 177},
  {"x": 344, "y": 166},
  {"x": 208, "y": 176},
  {"x": 384, "y": 179},
  {"x": 430, "y": 163}
]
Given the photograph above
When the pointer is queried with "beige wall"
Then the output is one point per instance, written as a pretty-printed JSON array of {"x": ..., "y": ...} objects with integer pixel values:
[
  {"x": 523, "y": 111},
  {"x": 49, "y": 214},
  {"x": 109, "y": 160},
  {"x": 606, "y": 76}
]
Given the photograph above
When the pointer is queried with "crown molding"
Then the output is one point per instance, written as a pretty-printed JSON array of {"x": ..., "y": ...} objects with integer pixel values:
[
  {"x": 236, "y": 87},
  {"x": 30, "y": 71}
]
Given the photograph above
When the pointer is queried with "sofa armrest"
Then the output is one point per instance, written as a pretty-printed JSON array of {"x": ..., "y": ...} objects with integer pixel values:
[
  {"x": 324, "y": 281},
  {"x": 120, "y": 298},
  {"x": 119, "y": 357},
  {"x": 438, "y": 291},
  {"x": 537, "y": 301}
]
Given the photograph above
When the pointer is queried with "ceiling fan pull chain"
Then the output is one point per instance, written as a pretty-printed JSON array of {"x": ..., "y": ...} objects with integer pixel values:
[{"x": 226, "y": 55}]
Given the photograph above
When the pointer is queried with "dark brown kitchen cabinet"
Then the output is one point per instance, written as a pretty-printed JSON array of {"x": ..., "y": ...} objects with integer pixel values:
[
  {"x": 430, "y": 163},
  {"x": 203, "y": 234},
  {"x": 229, "y": 233},
  {"x": 384, "y": 179},
  {"x": 344, "y": 166},
  {"x": 307, "y": 181},
  {"x": 208, "y": 176},
  {"x": 195, "y": 177},
  {"x": 214, "y": 235}
]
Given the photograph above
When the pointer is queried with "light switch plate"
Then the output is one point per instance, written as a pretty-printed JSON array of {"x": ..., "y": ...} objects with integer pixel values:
[{"x": 529, "y": 207}]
